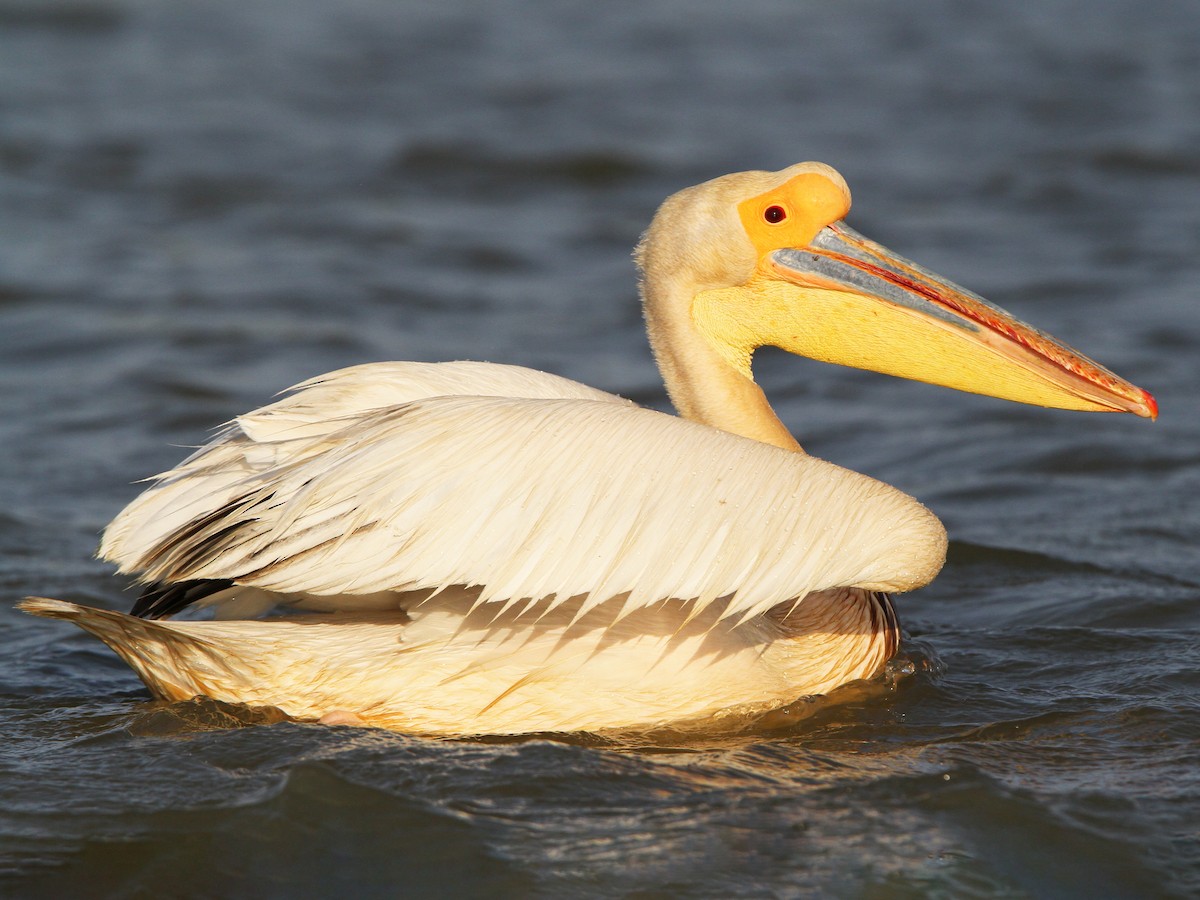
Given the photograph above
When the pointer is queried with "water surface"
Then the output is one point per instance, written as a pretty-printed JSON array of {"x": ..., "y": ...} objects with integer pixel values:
[{"x": 204, "y": 202}]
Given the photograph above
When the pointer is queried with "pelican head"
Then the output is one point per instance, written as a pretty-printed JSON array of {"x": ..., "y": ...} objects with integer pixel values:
[{"x": 766, "y": 258}]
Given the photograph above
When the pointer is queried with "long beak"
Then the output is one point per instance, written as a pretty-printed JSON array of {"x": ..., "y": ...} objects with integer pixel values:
[{"x": 868, "y": 307}]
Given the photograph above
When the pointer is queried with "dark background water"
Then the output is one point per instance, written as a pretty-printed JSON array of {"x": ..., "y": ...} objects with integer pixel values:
[{"x": 204, "y": 202}]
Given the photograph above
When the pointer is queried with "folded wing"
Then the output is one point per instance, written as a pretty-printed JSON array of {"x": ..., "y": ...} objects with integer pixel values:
[{"x": 352, "y": 486}]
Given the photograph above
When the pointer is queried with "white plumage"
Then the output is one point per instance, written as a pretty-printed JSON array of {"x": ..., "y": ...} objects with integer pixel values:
[
  {"x": 356, "y": 485},
  {"x": 494, "y": 549}
]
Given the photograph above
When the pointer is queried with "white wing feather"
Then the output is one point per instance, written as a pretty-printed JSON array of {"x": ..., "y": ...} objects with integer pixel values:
[
  {"x": 356, "y": 486},
  {"x": 274, "y": 434}
]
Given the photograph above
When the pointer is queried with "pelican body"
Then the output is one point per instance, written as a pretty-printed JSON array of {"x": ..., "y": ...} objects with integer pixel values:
[{"x": 470, "y": 548}]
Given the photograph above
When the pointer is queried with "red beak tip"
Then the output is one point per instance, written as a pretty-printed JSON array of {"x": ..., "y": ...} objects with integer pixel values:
[{"x": 1151, "y": 405}]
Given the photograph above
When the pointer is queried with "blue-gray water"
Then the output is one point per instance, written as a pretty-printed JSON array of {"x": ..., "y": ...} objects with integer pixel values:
[{"x": 204, "y": 202}]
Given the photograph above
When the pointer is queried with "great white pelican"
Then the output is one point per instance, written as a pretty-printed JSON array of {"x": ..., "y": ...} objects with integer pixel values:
[{"x": 490, "y": 549}]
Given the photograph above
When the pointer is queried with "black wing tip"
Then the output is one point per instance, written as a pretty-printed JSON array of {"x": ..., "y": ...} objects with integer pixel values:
[{"x": 163, "y": 599}]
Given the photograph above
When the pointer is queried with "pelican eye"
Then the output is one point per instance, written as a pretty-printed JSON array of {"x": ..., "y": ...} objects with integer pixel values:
[{"x": 774, "y": 214}]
